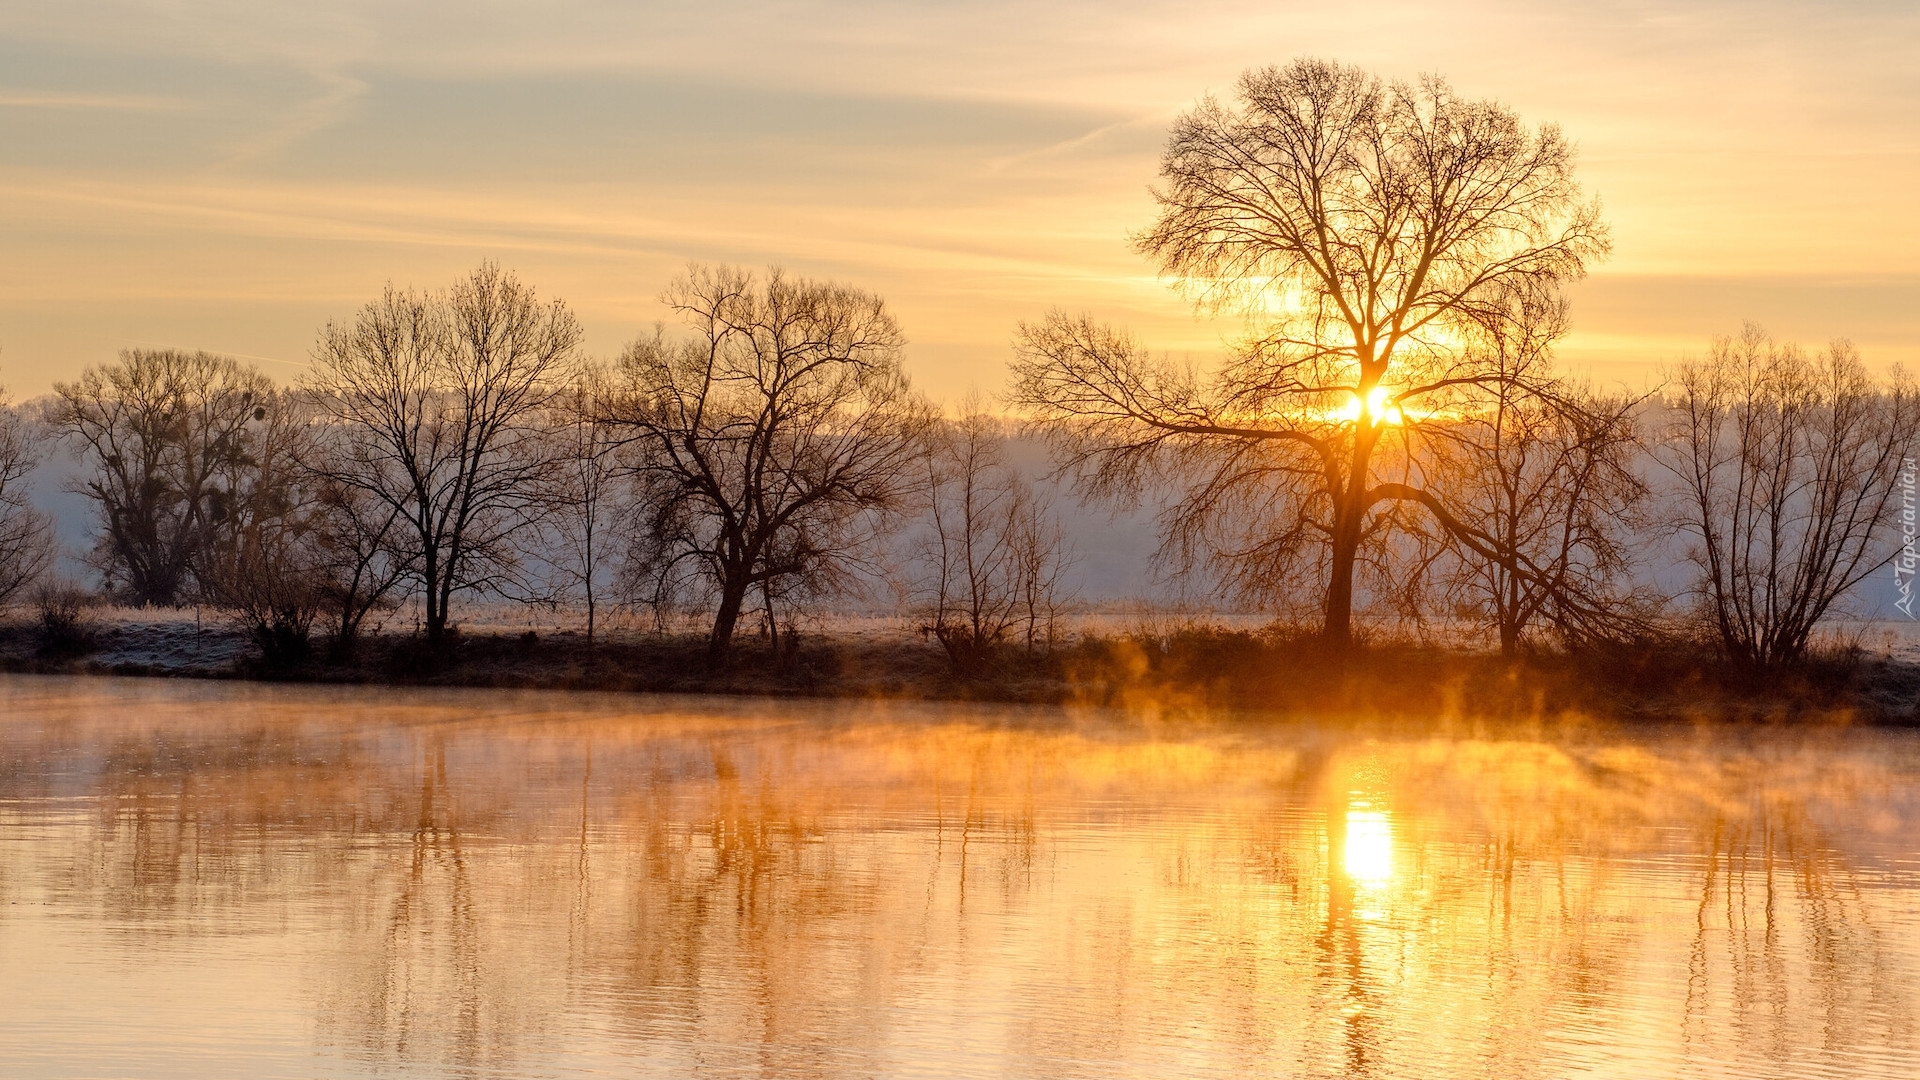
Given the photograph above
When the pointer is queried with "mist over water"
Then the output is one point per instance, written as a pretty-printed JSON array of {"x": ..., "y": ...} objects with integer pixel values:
[{"x": 232, "y": 880}]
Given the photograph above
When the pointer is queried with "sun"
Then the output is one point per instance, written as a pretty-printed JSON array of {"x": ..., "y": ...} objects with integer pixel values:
[{"x": 1378, "y": 407}]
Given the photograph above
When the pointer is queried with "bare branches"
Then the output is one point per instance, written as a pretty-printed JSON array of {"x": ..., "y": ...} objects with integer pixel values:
[
  {"x": 1380, "y": 208},
  {"x": 26, "y": 535},
  {"x": 767, "y": 444},
  {"x": 438, "y": 399},
  {"x": 1366, "y": 230},
  {"x": 169, "y": 434},
  {"x": 586, "y": 488},
  {"x": 1787, "y": 464},
  {"x": 263, "y": 566},
  {"x": 1543, "y": 471},
  {"x": 360, "y": 548},
  {"x": 989, "y": 566}
]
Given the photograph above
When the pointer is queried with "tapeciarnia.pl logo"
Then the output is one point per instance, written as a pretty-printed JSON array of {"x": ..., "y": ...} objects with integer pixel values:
[{"x": 1908, "y": 560}]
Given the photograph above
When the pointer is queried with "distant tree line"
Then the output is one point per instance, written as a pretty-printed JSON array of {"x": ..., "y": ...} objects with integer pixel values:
[
  {"x": 456, "y": 443},
  {"x": 1388, "y": 438}
]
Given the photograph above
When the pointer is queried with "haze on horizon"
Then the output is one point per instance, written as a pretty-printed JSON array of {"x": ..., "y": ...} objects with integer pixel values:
[{"x": 228, "y": 176}]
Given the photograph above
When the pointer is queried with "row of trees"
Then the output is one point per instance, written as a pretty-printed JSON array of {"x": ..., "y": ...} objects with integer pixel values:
[
  {"x": 456, "y": 443},
  {"x": 711, "y": 470},
  {"x": 1388, "y": 431}
]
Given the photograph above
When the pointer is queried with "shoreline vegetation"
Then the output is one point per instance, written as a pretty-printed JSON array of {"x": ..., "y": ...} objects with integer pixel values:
[{"x": 1173, "y": 667}]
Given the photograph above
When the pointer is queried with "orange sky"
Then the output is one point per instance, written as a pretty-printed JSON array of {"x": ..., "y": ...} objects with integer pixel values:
[{"x": 230, "y": 175}]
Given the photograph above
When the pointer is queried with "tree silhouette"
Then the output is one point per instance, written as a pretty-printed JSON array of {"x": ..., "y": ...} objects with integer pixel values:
[
  {"x": 765, "y": 442},
  {"x": 1363, "y": 229}
]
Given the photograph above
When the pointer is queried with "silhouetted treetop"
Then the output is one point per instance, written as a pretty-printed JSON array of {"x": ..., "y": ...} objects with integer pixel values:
[{"x": 1375, "y": 207}]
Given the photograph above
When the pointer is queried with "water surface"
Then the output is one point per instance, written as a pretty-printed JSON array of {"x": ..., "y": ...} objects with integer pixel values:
[{"x": 202, "y": 879}]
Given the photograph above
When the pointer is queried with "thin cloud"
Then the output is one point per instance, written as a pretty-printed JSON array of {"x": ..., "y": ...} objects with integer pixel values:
[
  {"x": 314, "y": 114},
  {"x": 13, "y": 99}
]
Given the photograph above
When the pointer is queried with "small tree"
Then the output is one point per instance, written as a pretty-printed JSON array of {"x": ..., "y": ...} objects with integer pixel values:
[
  {"x": 989, "y": 563},
  {"x": 769, "y": 446},
  {"x": 1540, "y": 485},
  {"x": 359, "y": 543},
  {"x": 264, "y": 566},
  {"x": 439, "y": 400},
  {"x": 167, "y": 432},
  {"x": 586, "y": 489},
  {"x": 270, "y": 578},
  {"x": 1787, "y": 467}
]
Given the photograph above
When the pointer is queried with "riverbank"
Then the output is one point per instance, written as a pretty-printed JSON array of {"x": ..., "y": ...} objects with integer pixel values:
[{"x": 1182, "y": 668}]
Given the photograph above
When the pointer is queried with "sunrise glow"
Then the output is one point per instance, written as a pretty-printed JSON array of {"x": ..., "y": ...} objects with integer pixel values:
[
  {"x": 1379, "y": 408},
  {"x": 901, "y": 539},
  {"x": 226, "y": 177}
]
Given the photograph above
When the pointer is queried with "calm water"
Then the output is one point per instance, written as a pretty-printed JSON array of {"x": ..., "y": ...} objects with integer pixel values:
[{"x": 209, "y": 880}]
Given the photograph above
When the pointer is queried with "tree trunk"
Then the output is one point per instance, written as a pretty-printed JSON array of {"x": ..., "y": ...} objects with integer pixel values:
[
  {"x": 436, "y": 609},
  {"x": 346, "y": 633},
  {"x": 1508, "y": 609},
  {"x": 1338, "y": 630},
  {"x": 733, "y": 597},
  {"x": 1348, "y": 516}
]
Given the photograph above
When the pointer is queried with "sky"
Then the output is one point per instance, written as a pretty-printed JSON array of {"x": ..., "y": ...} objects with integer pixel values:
[{"x": 229, "y": 176}]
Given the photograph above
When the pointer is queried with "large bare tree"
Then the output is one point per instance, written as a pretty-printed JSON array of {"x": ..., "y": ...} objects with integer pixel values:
[
  {"x": 168, "y": 434},
  {"x": 1363, "y": 228},
  {"x": 768, "y": 444},
  {"x": 439, "y": 398},
  {"x": 1788, "y": 466}
]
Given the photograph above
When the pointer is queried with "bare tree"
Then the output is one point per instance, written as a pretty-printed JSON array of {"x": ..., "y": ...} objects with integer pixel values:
[
  {"x": 26, "y": 534},
  {"x": 1042, "y": 556},
  {"x": 359, "y": 541},
  {"x": 989, "y": 563},
  {"x": 1542, "y": 474},
  {"x": 769, "y": 445},
  {"x": 587, "y": 489},
  {"x": 1787, "y": 464},
  {"x": 1363, "y": 228},
  {"x": 264, "y": 566},
  {"x": 166, "y": 431},
  {"x": 439, "y": 399}
]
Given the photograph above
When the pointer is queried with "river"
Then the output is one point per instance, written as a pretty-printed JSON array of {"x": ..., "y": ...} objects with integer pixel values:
[{"x": 205, "y": 879}]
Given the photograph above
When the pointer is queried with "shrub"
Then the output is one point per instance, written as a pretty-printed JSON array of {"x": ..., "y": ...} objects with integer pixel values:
[{"x": 65, "y": 627}]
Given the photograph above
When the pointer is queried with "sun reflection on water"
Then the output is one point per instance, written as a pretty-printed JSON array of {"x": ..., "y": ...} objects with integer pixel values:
[{"x": 1368, "y": 858}]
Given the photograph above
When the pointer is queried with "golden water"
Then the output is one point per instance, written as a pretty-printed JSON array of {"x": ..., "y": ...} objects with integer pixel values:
[{"x": 226, "y": 880}]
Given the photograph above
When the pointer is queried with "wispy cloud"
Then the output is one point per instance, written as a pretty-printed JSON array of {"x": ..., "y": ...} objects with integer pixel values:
[
  {"x": 313, "y": 113},
  {"x": 28, "y": 99},
  {"x": 974, "y": 162}
]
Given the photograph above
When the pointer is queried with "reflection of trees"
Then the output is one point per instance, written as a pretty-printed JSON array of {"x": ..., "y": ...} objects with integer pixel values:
[
  {"x": 1786, "y": 952},
  {"x": 431, "y": 979},
  {"x": 712, "y": 894}
]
